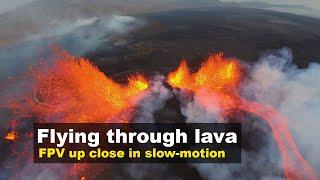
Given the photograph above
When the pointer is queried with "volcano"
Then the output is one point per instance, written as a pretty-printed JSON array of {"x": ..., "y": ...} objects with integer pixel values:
[{"x": 158, "y": 48}]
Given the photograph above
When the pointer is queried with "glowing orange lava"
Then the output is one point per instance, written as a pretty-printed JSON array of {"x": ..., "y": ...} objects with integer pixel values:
[
  {"x": 220, "y": 76},
  {"x": 12, "y": 136},
  {"x": 74, "y": 90},
  {"x": 71, "y": 89},
  {"x": 217, "y": 75}
]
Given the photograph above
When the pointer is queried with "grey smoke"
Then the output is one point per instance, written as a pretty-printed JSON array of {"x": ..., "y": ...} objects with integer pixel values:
[
  {"x": 78, "y": 37},
  {"x": 202, "y": 109},
  {"x": 7, "y": 5},
  {"x": 86, "y": 34},
  {"x": 155, "y": 100},
  {"x": 274, "y": 80},
  {"x": 295, "y": 92}
]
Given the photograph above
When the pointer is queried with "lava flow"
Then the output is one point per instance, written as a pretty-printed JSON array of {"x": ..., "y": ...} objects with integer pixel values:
[
  {"x": 220, "y": 76},
  {"x": 74, "y": 90}
]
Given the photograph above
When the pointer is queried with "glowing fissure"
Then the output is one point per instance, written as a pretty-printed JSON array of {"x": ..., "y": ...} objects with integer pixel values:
[{"x": 220, "y": 76}]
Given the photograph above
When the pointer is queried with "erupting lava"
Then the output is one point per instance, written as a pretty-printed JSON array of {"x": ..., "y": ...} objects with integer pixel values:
[
  {"x": 12, "y": 136},
  {"x": 220, "y": 77},
  {"x": 216, "y": 75},
  {"x": 74, "y": 90},
  {"x": 71, "y": 89}
]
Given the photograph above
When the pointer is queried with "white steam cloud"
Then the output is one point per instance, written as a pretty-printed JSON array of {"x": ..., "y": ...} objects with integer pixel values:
[
  {"x": 203, "y": 108},
  {"x": 295, "y": 93},
  {"x": 274, "y": 80},
  {"x": 154, "y": 101},
  {"x": 78, "y": 37}
]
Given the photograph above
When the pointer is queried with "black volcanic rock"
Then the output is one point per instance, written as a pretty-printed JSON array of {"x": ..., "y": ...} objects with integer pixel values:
[{"x": 193, "y": 34}]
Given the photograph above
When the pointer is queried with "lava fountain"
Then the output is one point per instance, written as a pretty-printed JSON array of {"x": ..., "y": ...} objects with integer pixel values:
[
  {"x": 220, "y": 76},
  {"x": 70, "y": 89},
  {"x": 74, "y": 90}
]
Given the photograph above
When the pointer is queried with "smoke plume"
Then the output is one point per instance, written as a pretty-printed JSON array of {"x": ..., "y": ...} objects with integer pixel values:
[
  {"x": 295, "y": 92},
  {"x": 275, "y": 81},
  {"x": 78, "y": 37},
  {"x": 155, "y": 100}
]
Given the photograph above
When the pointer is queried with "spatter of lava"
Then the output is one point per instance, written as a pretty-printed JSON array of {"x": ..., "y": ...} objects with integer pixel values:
[
  {"x": 71, "y": 89},
  {"x": 217, "y": 75},
  {"x": 220, "y": 76},
  {"x": 12, "y": 136},
  {"x": 74, "y": 90}
]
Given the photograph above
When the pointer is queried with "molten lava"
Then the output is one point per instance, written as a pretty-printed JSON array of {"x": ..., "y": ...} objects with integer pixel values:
[
  {"x": 12, "y": 136},
  {"x": 216, "y": 75},
  {"x": 71, "y": 89},
  {"x": 74, "y": 90},
  {"x": 220, "y": 77}
]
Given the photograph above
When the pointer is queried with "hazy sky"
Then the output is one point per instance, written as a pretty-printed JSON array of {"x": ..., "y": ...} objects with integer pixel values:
[
  {"x": 315, "y": 4},
  {"x": 6, "y": 5}
]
